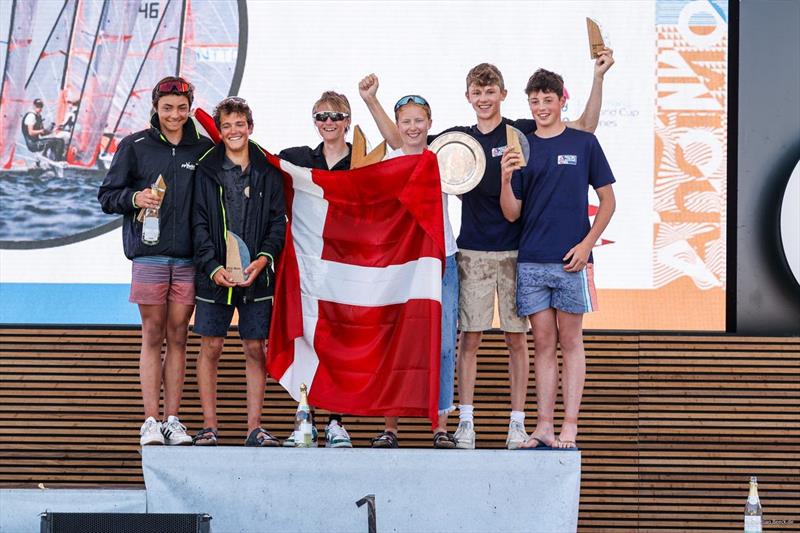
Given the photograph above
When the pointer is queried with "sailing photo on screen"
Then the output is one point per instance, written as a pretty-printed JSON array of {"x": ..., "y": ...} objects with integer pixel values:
[{"x": 76, "y": 79}]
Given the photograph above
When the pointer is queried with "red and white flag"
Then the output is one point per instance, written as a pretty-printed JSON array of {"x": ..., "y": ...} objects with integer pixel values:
[{"x": 357, "y": 309}]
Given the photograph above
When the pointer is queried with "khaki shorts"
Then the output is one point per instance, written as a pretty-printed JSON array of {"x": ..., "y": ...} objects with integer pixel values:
[{"x": 482, "y": 275}]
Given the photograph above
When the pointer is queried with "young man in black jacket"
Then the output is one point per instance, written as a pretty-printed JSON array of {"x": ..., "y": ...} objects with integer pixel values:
[
  {"x": 236, "y": 191},
  {"x": 163, "y": 276}
]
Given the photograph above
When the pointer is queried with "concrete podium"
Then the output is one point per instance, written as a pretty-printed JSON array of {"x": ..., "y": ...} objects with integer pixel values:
[{"x": 280, "y": 489}]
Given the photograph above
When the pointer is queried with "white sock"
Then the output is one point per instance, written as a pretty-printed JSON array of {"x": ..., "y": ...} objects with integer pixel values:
[
  {"x": 465, "y": 413},
  {"x": 518, "y": 416}
]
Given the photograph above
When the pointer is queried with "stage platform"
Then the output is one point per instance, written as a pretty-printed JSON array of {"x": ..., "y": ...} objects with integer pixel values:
[
  {"x": 672, "y": 425},
  {"x": 282, "y": 489}
]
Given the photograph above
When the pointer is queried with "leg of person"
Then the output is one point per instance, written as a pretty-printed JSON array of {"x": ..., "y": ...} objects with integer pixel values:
[
  {"x": 570, "y": 336},
  {"x": 534, "y": 299},
  {"x": 515, "y": 328},
  {"x": 254, "y": 319},
  {"x": 387, "y": 439},
  {"x": 441, "y": 438},
  {"x": 477, "y": 274},
  {"x": 180, "y": 305},
  {"x": 153, "y": 330},
  {"x": 574, "y": 296},
  {"x": 207, "y": 370},
  {"x": 149, "y": 287},
  {"x": 545, "y": 364},
  {"x": 211, "y": 322},
  {"x": 256, "y": 374}
]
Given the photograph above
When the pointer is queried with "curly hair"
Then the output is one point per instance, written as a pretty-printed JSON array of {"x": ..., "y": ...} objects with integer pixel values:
[
  {"x": 233, "y": 104},
  {"x": 484, "y": 75}
]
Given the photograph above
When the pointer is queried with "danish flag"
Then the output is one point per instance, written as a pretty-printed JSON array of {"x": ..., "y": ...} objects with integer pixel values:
[{"x": 357, "y": 309}]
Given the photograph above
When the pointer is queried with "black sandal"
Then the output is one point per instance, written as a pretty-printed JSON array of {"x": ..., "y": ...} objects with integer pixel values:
[
  {"x": 205, "y": 437},
  {"x": 261, "y": 438},
  {"x": 444, "y": 440},
  {"x": 387, "y": 439}
]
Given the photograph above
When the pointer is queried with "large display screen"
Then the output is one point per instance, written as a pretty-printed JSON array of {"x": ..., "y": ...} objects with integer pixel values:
[{"x": 663, "y": 126}]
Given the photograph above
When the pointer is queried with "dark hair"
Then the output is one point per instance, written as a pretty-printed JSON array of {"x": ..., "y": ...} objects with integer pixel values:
[
  {"x": 233, "y": 104},
  {"x": 484, "y": 75},
  {"x": 546, "y": 82},
  {"x": 38, "y": 103},
  {"x": 156, "y": 94}
]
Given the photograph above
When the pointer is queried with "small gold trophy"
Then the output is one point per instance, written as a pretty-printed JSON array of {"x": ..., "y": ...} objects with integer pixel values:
[
  {"x": 513, "y": 145},
  {"x": 359, "y": 156},
  {"x": 237, "y": 257},
  {"x": 596, "y": 43},
  {"x": 302, "y": 421}
]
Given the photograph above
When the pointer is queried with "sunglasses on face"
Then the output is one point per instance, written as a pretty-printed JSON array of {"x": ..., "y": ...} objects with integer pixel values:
[
  {"x": 174, "y": 86},
  {"x": 335, "y": 116},
  {"x": 411, "y": 98}
]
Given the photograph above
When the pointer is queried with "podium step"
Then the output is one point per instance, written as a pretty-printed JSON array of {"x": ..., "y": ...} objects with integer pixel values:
[{"x": 318, "y": 489}]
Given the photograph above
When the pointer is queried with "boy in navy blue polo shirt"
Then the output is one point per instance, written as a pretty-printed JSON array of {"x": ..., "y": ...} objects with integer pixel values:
[{"x": 555, "y": 285}]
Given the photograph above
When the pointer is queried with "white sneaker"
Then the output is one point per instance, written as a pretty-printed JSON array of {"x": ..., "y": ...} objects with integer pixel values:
[
  {"x": 516, "y": 435},
  {"x": 150, "y": 433},
  {"x": 336, "y": 436},
  {"x": 175, "y": 432},
  {"x": 465, "y": 435}
]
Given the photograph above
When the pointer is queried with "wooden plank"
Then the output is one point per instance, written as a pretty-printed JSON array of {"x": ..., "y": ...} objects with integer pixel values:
[{"x": 668, "y": 421}]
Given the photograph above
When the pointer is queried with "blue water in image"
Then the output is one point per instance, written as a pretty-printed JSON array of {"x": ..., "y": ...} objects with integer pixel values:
[{"x": 36, "y": 206}]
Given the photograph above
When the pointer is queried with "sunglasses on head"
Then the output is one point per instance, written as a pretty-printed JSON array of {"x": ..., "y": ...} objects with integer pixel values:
[
  {"x": 174, "y": 86},
  {"x": 234, "y": 100},
  {"x": 411, "y": 98},
  {"x": 335, "y": 116}
]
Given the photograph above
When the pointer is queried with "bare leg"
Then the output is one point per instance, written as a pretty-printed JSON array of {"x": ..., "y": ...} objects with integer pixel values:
[
  {"x": 178, "y": 316},
  {"x": 467, "y": 365},
  {"x": 519, "y": 369},
  {"x": 545, "y": 363},
  {"x": 441, "y": 424},
  {"x": 154, "y": 318},
  {"x": 256, "y": 371},
  {"x": 570, "y": 335},
  {"x": 392, "y": 423},
  {"x": 207, "y": 368}
]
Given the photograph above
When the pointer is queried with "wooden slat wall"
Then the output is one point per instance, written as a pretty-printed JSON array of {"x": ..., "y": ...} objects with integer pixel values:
[{"x": 672, "y": 426}]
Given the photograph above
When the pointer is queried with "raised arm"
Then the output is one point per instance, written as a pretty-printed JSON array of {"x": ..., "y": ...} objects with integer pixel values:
[
  {"x": 591, "y": 115},
  {"x": 511, "y": 206},
  {"x": 368, "y": 89}
]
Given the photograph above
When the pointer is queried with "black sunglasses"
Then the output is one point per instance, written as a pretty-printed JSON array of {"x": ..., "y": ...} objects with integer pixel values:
[{"x": 335, "y": 116}]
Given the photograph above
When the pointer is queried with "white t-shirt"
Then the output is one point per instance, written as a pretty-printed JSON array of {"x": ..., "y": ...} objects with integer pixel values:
[
  {"x": 30, "y": 119},
  {"x": 450, "y": 246}
]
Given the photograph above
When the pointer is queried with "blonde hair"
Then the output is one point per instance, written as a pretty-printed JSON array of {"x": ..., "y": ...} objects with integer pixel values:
[{"x": 337, "y": 101}]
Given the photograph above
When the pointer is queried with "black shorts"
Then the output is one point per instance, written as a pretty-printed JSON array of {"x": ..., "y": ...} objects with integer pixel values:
[{"x": 213, "y": 320}]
